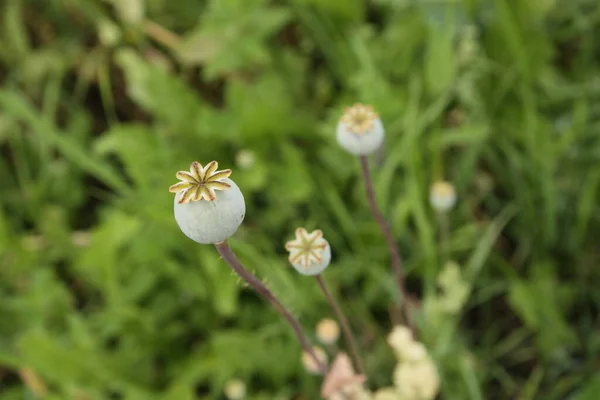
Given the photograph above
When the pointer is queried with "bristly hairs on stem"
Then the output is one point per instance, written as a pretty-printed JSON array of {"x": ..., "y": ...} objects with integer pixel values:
[{"x": 228, "y": 255}]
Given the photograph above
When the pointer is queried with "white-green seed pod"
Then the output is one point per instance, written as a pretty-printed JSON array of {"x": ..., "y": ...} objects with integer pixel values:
[
  {"x": 442, "y": 196},
  {"x": 210, "y": 222},
  {"x": 316, "y": 267},
  {"x": 360, "y": 130},
  {"x": 209, "y": 207},
  {"x": 310, "y": 253}
]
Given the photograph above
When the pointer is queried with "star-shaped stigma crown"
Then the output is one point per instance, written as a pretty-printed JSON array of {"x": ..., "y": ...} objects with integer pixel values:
[
  {"x": 359, "y": 118},
  {"x": 200, "y": 183},
  {"x": 307, "y": 249}
]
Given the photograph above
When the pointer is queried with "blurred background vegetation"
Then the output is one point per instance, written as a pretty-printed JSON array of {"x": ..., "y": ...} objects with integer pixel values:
[{"x": 101, "y": 102}]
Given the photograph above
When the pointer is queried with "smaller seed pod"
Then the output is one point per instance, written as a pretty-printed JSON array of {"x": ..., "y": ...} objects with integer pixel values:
[
  {"x": 310, "y": 253},
  {"x": 209, "y": 207},
  {"x": 360, "y": 130},
  {"x": 442, "y": 196}
]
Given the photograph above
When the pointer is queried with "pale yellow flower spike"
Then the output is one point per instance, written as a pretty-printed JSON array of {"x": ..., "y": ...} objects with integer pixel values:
[
  {"x": 307, "y": 249},
  {"x": 200, "y": 183}
]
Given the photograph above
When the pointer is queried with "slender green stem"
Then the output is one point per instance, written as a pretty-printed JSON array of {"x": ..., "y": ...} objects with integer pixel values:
[
  {"x": 350, "y": 338},
  {"x": 444, "y": 235},
  {"x": 389, "y": 238},
  {"x": 228, "y": 255}
]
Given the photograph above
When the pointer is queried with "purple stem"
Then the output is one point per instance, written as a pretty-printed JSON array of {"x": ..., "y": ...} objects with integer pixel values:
[{"x": 228, "y": 255}]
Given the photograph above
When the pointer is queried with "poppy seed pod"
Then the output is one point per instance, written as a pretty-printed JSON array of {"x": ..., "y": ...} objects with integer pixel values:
[
  {"x": 442, "y": 196},
  {"x": 360, "y": 130},
  {"x": 209, "y": 207},
  {"x": 310, "y": 253}
]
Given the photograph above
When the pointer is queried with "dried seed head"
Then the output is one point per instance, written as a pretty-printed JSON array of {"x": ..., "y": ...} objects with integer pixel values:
[{"x": 200, "y": 183}]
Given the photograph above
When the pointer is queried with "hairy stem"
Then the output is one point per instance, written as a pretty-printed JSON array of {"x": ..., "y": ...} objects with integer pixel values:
[
  {"x": 387, "y": 234},
  {"x": 350, "y": 338},
  {"x": 227, "y": 254}
]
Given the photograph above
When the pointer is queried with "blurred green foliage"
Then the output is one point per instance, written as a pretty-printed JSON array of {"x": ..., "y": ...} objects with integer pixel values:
[{"x": 102, "y": 102}]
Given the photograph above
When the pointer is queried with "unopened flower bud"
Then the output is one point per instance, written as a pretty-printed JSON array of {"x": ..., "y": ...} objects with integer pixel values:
[
  {"x": 328, "y": 331},
  {"x": 235, "y": 389},
  {"x": 245, "y": 159}
]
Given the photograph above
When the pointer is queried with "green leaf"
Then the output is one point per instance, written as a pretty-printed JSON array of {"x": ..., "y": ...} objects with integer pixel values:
[
  {"x": 231, "y": 36},
  {"x": 16, "y": 105},
  {"x": 167, "y": 97},
  {"x": 540, "y": 305},
  {"x": 589, "y": 391},
  {"x": 440, "y": 62}
]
